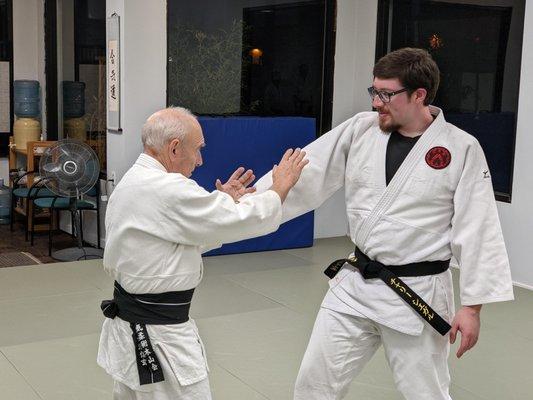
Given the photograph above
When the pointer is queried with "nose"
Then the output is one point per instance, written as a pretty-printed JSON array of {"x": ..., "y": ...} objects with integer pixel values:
[
  {"x": 199, "y": 160},
  {"x": 376, "y": 102}
]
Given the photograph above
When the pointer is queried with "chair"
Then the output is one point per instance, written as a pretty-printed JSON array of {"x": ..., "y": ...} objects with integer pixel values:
[
  {"x": 29, "y": 194},
  {"x": 58, "y": 203}
]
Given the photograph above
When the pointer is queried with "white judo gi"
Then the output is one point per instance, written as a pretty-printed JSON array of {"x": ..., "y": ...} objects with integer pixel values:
[
  {"x": 424, "y": 214},
  {"x": 158, "y": 224}
]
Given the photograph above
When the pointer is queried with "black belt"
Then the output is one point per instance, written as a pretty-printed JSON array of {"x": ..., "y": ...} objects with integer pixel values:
[
  {"x": 148, "y": 309},
  {"x": 389, "y": 274}
]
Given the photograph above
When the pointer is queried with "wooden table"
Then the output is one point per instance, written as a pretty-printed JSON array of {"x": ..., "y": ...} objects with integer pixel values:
[{"x": 31, "y": 153}]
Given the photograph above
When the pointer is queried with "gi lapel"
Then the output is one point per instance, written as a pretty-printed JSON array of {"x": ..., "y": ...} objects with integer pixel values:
[{"x": 391, "y": 192}]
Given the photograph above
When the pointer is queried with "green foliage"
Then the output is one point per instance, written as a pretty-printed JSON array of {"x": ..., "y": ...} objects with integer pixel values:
[{"x": 204, "y": 69}]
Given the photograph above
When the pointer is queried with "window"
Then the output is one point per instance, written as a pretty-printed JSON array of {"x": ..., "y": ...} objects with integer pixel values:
[
  {"x": 76, "y": 62},
  {"x": 252, "y": 58},
  {"x": 478, "y": 49}
]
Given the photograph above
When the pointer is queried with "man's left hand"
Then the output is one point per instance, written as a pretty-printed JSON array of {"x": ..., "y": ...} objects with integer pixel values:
[
  {"x": 237, "y": 184},
  {"x": 467, "y": 322}
]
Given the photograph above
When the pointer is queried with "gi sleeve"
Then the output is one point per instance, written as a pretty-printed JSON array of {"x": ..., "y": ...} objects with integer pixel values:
[
  {"x": 325, "y": 173},
  {"x": 196, "y": 217},
  {"x": 477, "y": 239}
]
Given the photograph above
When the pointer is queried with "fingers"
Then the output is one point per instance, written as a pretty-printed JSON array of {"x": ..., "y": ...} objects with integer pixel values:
[
  {"x": 299, "y": 159},
  {"x": 250, "y": 190},
  {"x": 218, "y": 185},
  {"x": 247, "y": 178},
  {"x": 462, "y": 347},
  {"x": 468, "y": 340},
  {"x": 302, "y": 164},
  {"x": 295, "y": 154},
  {"x": 287, "y": 155},
  {"x": 238, "y": 172},
  {"x": 249, "y": 181},
  {"x": 465, "y": 345},
  {"x": 453, "y": 333}
]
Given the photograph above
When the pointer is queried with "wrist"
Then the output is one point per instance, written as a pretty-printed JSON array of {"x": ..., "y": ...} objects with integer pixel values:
[
  {"x": 475, "y": 309},
  {"x": 280, "y": 190}
]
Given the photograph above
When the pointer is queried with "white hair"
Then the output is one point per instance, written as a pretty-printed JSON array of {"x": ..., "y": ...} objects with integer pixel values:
[{"x": 164, "y": 126}]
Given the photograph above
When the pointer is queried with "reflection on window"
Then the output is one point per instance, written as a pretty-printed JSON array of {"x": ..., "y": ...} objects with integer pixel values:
[
  {"x": 82, "y": 73},
  {"x": 478, "y": 49},
  {"x": 250, "y": 57}
]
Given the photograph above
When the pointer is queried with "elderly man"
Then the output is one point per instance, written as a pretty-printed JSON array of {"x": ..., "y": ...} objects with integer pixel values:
[{"x": 158, "y": 223}]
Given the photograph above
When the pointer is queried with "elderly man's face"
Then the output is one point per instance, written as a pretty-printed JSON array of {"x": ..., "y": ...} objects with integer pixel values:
[{"x": 186, "y": 155}]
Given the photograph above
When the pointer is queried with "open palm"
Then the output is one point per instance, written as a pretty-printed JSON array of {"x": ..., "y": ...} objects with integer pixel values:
[{"x": 237, "y": 184}]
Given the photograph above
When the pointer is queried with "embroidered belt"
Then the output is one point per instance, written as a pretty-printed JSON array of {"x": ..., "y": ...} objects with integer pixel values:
[
  {"x": 370, "y": 269},
  {"x": 148, "y": 309}
]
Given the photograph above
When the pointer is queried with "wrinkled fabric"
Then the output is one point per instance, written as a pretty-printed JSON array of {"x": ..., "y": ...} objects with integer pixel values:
[
  {"x": 158, "y": 224},
  {"x": 341, "y": 345},
  {"x": 424, "y": 214}
]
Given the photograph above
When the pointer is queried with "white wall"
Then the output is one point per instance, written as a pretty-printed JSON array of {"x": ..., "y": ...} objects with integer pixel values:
[
  {"x": 517, "y": 217},
  {"x": 354, "y": 60},
  {"x": 28, "y": 45},
  {"x": 143, "y": 81}
]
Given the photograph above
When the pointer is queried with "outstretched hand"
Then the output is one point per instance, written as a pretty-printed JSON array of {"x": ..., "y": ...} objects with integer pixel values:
[
  {"x": 237, "y": 184},
  {"x": 288, "y": 171}
]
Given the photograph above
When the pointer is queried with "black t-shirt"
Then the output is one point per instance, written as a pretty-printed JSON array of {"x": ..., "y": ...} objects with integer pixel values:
[{"x": 397, "y": 149}]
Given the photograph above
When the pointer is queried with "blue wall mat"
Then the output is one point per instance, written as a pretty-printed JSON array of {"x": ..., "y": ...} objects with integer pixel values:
[{"x": 256, "y": 143}]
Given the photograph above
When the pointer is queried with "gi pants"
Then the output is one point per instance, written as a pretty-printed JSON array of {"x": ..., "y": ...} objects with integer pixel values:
[
  {"x": 164, "y": 391},
  {"x": 341, "y": 345}
]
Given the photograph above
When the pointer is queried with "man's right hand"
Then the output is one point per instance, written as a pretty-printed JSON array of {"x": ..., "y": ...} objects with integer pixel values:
[{"x": 287, "y": 172}]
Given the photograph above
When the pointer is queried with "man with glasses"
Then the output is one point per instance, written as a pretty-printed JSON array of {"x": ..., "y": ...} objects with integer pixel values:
[{"x": 418, "y": 192}]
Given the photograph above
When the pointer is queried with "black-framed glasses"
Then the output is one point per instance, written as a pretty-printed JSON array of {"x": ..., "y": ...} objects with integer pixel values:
[{"x": 383, "y": 95}]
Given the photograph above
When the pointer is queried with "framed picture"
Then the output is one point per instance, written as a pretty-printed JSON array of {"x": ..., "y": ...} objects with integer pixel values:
[{"x": 113, "y": 74}]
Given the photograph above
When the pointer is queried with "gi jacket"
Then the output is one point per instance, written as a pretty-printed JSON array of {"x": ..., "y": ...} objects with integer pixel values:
[
  {"x": 440, "y": 204},
  {"x": 157, "y": 226}
]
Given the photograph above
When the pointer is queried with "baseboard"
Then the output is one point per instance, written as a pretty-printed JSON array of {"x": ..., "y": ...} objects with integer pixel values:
[{"x": 523, "y": 285}]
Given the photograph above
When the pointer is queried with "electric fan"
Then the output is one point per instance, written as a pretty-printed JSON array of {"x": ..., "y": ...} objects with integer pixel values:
[{"x": 70, "y": 168}]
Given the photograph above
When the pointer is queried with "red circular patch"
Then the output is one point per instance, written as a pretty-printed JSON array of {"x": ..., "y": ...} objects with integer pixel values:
[{"x": 438, "y": 157}]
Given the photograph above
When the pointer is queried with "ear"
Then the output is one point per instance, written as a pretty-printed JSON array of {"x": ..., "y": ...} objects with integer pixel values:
[
  {"x": 174, "y": 145},
  {"x": 420, "y": 95}
]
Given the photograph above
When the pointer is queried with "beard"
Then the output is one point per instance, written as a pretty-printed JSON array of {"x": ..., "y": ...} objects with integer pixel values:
[{"x": 388, "y": 125}]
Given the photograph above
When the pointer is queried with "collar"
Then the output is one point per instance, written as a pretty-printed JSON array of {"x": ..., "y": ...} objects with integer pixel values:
[
  {"x": 439, "y": 122},
  {"x": 148, "y": 161}
]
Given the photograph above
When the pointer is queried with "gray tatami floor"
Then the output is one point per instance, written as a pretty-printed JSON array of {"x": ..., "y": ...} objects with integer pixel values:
[{"x": 255, "y": 313}]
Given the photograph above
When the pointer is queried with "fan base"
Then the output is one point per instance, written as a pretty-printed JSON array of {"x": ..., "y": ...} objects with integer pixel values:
[{"x": 77, "y": 254}]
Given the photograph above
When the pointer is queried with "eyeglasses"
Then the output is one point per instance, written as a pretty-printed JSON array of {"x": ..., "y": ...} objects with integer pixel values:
[{"x": 384, "y": 96}]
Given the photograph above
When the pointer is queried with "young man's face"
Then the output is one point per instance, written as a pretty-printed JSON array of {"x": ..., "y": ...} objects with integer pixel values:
[{"x": 399, "y": 111}]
